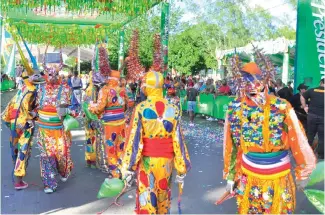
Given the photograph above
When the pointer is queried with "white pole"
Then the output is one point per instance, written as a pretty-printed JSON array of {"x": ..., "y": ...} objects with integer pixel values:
[
  {"x": 79, "y": 60},
  {"x": 285, "y": 68}
]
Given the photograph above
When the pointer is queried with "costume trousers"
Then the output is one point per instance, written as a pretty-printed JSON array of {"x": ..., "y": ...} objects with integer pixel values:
[
  {"x": 21, "y": 150},
  {"x": 114, "y": 145},
  {"x": 154, "y": 185},
  {"x": 90, "y": 152},
  {"x": 55, "y": 157}
]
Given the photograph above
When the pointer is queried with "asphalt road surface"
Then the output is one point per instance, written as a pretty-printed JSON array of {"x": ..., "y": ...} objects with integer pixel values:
[{"x": 203, "y": 185}]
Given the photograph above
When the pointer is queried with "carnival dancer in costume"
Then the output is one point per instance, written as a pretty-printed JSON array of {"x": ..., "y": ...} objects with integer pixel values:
[
  {"x": 110, "y": 104},
  {"x": 130, "y": 101},
  {"x": 18, "y": 117},
  {"x": 154, "y": 146},
  {"x": 91, "y": 94},
  {"x": 54, "y": 142},
  {"x": 260, "y": 129}
]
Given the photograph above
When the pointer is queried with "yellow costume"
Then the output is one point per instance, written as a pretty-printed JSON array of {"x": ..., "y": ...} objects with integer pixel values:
[
  {"x": 110, "y": 104},
  {"x": 258, "y": 135},
  {"x": 17, "y": 116},
  {"x": 91, "y": 94},
  {"x": 154, "y": 146}
]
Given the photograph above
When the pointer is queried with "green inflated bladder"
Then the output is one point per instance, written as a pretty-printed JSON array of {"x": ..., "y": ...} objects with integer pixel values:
[
  {"x": 317, "y": 175},
  {"x": 88, "y": 114},
  {"x": 70, "y": 123},
  {"x": 110, "y": 188}
]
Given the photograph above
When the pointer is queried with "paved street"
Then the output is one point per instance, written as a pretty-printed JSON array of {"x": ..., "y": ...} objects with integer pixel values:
[{"x": 203, "y": 185}]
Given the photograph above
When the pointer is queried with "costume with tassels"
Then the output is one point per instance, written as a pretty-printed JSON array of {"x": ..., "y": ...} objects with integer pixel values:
[
  {"x": 93, "y": 154},
  {"x": 154, "y": 146},
  {"x": 54, "y": 142},
  {"x": 91, "y": 94},
  {"x": 260, "y": 129},
  {"x": 111, "y": 106},
  {"x": 18, "y": 116}
]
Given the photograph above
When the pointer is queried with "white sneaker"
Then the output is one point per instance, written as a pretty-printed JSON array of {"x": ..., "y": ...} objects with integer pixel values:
[
  {"x": 48, "y": 190},
  {"x": 63, "y": 179},
  {"x": 191, "y": 124},
  {"x": 210, "y": 119}
]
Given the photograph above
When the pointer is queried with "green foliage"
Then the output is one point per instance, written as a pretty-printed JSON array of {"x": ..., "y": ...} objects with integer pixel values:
[
  {"x": 287, "y": 32},
  {"x": 217, "y": 25},
  {"x": 70, "y": 61}
]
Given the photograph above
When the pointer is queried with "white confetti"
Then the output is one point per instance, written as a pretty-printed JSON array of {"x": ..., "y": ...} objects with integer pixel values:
[{"x": 6, "y": 196}]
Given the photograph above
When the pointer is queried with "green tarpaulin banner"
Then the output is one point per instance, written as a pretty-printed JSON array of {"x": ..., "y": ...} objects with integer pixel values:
[
  {"x": 310, "y": 54},
  {"x": 209, "y": 105},
  {"x": 7, "y": 85}
]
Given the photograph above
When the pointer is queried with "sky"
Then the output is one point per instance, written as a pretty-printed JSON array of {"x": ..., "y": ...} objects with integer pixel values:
[{"x": 277, "y": 8}]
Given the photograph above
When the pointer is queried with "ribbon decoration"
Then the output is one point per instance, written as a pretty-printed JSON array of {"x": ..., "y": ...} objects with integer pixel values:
[
  {"x": 180, "y": 193},
  {"x": 24, "y": 60},
  {"x": 33, "y": 60}
]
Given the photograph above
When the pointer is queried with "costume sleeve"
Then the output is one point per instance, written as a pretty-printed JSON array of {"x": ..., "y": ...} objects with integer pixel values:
[
  {"x": 297, "y": 141},
  {"x": 99, "y": 107},
  {"x": 182, "y": 161},
  {"x": 134, "y": 143},
  {"x": 8, "y": 110},
  {"x": 26, "y": 105},
  {"x": 229, "y": 151}
]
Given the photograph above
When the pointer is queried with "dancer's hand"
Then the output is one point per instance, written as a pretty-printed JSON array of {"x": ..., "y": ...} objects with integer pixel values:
[
  {"x": 128, "y": 177},
  {"x": 180, "y": 179},
  {"x": 230, "y": 186},
  {"x": 301, "y": 184},
  {"x": 30, "y": 123}
]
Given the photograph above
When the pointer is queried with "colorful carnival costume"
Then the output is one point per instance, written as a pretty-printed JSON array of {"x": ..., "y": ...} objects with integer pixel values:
[
  {"x": 91, "y": 94},
  {"x": 260, "y": 129},
  {"x": 110, "y": 104},
  {"x": 18, "y": 116},
  {"x": 54, "y": 142},
  {"x": 130, "y": 104},
  {"x": 154, "y": 146}
]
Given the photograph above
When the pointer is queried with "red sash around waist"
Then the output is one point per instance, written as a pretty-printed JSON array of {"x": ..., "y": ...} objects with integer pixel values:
[{"x": 157, "y": 147}]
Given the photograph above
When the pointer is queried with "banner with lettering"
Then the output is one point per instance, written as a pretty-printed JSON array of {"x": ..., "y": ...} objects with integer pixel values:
[{"x": 310, "y": 48}]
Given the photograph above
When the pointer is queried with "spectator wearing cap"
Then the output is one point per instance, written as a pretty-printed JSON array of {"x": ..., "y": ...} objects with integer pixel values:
[
  {"x": 315, "y": 116},
  {"x": 296, "y": 104}
]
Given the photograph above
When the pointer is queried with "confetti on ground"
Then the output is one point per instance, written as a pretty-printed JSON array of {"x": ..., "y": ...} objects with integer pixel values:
[{"x": 205, "y": 138}]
